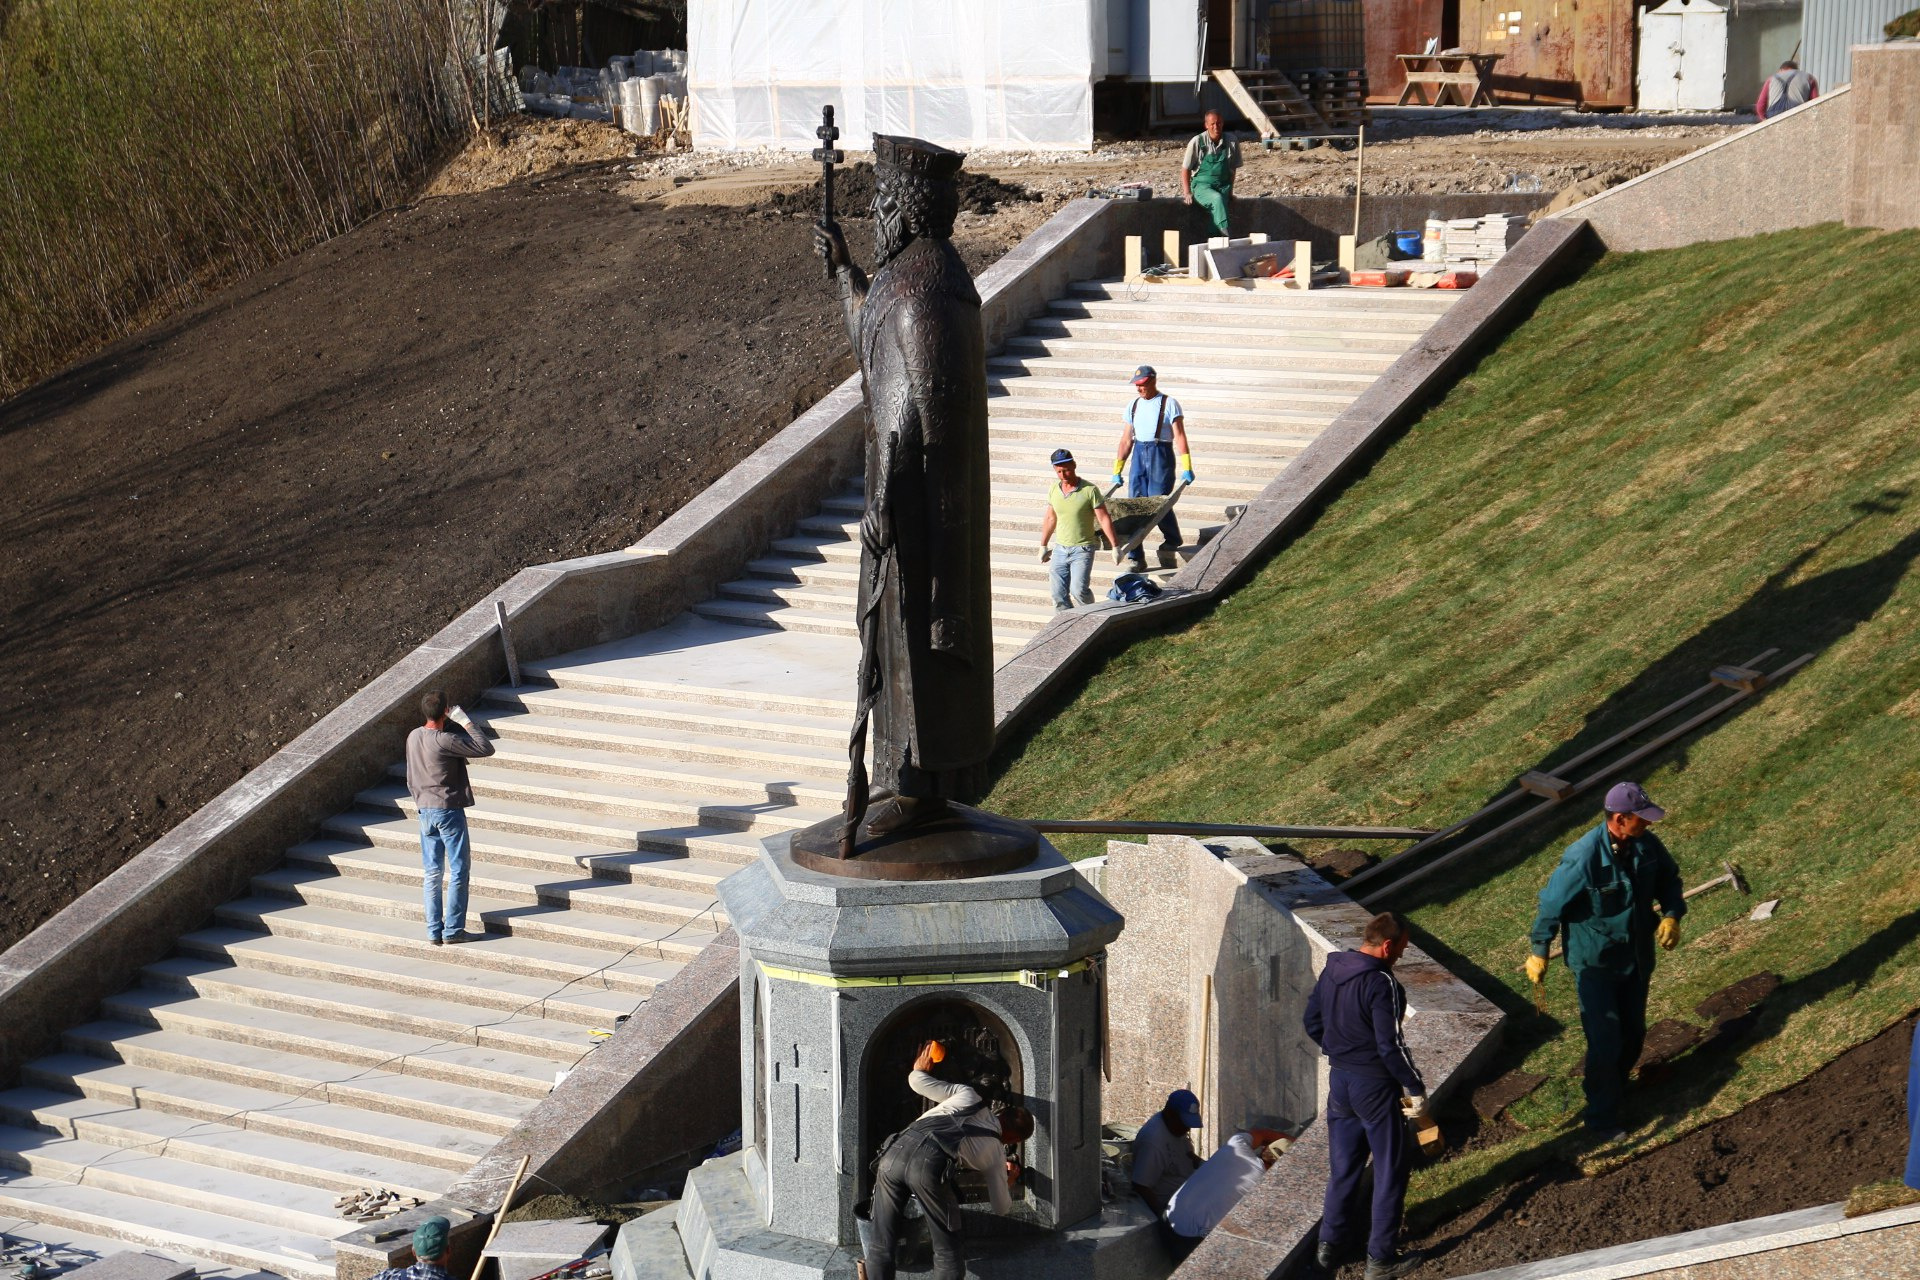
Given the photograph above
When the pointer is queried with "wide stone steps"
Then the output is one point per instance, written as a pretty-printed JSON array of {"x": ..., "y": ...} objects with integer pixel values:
[
  {"x": 173, "y": 1229},
  {"x": 508, "y": 883},
  {"x": 753, "y": 723},
  {"x": 668, "y": 870},
  {"x": 1171, "y": 350},
  {"x": 531, "y": 921},
  {"x": 558, "y": 962},
  {"x": 780, "y": 616},
  {"x": 1196, "y": 403},
  {"x": 661, "y": 754},
  {"x": 564, "y": 1042},
  {"x": 322, "y": 1042},
  {"x": 713, "y": 840},
  {"x": 1006, "y": 617},
  {"x": 641, "y": 676},
  {"x": 226, "y": 1146},
  {"x": 1024, "y": 467},
  {"x": 1194, "y": 309},
  {"x": 402, "y": 1088},
  {"x": 1012, "y": 415},
  {"x": 489, "y": 994},
  {"x": 1149, "y": 331},
  {"x": 1340, "y": 300},
  {"x": 845, "y": 577},
  {"x": 1090, "y": 435},
  {"x": 273, "y": 1202},
  {"x": 1113, "y": 374},
  {"x": 762, "y": 817},
  {"x": 307, "y": 1118}
]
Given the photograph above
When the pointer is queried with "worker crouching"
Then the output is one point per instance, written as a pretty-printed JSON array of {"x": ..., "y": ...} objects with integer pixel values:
[{"x": 920, "y": 1161}]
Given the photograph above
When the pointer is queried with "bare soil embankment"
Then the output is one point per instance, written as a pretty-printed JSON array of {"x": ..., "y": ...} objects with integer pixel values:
[{"x": 220, "y": 528}]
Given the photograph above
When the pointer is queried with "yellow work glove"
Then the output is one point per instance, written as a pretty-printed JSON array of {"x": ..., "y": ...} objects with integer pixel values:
[
  {"x": 1536, "y": 969},
  {"x": 1668, "y": 933}
]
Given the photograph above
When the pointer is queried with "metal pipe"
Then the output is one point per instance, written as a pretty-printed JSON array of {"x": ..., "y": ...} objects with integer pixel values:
[{"x": 1065, "y": 826}]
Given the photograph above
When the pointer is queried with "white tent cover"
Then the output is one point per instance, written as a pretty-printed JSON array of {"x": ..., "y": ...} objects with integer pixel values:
[{"x": 1014, "y": 74}]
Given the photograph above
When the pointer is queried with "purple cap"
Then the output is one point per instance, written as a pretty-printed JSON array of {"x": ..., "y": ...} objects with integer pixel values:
[
  {"x": 1627, "y": 797},
  {"x": 1183, "y": 1104}
]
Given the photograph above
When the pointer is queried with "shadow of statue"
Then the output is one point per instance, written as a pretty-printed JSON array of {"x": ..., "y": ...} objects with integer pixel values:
[{"x": 1793, "y": 615}]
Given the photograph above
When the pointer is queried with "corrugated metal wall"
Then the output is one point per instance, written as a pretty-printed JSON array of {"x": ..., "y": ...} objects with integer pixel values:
[{"x": 1832, "y": 26}]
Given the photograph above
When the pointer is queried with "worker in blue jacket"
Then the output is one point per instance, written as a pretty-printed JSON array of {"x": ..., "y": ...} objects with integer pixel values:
[
  {"x": 1616, "y": 894},
  {"x": 1355, "y": 1015}
]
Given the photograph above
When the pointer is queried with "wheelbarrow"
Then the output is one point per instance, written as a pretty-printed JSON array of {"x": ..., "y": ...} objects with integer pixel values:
[{"x": 1134, "y": 518}]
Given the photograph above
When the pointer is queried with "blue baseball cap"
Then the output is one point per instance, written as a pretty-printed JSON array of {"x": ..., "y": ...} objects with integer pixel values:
[
  {"x": 1627, "y": 797},
  {"x": 1144, "y": 372},
  {"x": 1062, "y": 458},
  {"x": 1183, "y": 1104}
]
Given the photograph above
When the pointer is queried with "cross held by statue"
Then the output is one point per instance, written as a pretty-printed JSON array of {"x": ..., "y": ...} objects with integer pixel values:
[{"x": 828, "y": 155}]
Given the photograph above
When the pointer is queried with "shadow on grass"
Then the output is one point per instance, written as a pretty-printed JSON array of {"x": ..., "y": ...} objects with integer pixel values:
[{"x": 1793, "y": 617}]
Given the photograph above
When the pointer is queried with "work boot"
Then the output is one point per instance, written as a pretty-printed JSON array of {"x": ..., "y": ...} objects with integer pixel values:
[
  {"x": 1388, "y": 1268},
  {"x": 1328, "y": 1256},
  {"x": 1169, "y": 558}
]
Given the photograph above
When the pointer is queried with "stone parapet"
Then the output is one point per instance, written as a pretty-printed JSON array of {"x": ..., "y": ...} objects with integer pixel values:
[{"x": 1884, "y": 158}]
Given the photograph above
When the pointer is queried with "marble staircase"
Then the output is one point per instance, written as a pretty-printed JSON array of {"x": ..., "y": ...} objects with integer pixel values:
[{"x": 308, "y": 1040}]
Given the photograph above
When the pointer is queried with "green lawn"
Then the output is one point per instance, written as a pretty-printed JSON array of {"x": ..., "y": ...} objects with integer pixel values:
[{"x": 1681, "y": 459}]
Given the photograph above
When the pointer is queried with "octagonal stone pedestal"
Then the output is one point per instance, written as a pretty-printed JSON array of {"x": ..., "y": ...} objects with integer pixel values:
[{"x": 837, "y": 976}]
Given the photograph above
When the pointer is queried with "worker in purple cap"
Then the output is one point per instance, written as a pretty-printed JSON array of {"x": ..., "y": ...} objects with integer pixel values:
[{"x": 1615, "y": 895}]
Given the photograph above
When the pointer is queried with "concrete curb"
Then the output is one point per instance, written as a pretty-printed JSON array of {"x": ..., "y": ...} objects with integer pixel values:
[
  {"x": 1070, "y": 642},
  {"x": 1695, "y": 1249}
]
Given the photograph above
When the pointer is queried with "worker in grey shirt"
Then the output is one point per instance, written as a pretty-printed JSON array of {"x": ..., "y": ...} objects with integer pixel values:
[
  {"x": 437, "y": 755},
  {"x": 1163, "y": 1156}
]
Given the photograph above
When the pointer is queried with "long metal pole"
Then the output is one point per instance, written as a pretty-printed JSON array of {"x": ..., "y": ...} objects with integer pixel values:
[
  {"x": 1631, "y": 758},
  {"x": 1259, "y": 831}
]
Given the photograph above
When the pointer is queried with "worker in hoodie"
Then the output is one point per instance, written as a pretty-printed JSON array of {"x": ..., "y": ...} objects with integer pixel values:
[{"x": 1354, "y": 1015}]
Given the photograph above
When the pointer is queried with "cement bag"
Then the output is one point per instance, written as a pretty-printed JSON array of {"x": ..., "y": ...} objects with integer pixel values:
[
  {"x": 633, "y": 115},
  {"x": 651, "y": 90},
  {"x": 620, "y": 68},
  {"x": 642, "y": 62}
]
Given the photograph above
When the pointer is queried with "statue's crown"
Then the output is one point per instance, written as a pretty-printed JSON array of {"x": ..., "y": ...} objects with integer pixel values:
[{"x": 914, "y": 156}]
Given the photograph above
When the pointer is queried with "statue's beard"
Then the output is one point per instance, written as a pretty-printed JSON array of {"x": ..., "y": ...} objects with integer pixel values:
[{"x": 890, "y": 236}]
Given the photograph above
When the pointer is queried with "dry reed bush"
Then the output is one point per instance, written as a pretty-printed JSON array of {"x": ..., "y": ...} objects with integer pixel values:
[{"x": 151, "y": 149}]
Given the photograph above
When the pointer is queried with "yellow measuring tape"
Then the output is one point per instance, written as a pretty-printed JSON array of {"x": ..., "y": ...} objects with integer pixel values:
[{"x": 1025, "y": 977}]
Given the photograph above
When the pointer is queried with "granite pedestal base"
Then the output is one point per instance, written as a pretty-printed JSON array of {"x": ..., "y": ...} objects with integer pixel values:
[{"x": 717, "y": 1233}]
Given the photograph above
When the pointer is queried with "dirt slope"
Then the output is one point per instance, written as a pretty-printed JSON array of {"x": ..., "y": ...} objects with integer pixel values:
[{"x": 219, "y": 529}]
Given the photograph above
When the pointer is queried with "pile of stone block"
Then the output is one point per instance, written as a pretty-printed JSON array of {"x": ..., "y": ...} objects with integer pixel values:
[{"x": 627, "y": 91}]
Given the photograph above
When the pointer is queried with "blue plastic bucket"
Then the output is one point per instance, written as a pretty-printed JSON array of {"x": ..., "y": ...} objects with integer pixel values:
[{"x": 1407, "y": 243}]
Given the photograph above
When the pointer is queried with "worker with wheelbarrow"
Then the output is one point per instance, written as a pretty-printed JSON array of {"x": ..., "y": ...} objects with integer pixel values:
[{"x": 1154, "y": 438}]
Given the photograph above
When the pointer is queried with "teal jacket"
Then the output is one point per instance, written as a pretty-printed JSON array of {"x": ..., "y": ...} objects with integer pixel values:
[{"x": 1605, "y": 902}]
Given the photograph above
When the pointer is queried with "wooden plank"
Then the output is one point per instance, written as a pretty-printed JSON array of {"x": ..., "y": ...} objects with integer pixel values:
[
  {"x": 1536, "y": 783},
  {"x": 1745, "y": 679}
]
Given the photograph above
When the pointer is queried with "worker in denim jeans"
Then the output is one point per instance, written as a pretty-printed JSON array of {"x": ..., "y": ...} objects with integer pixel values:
[
  {"x": 437, "y": 755},
  {"x": 1075, "y": 510}
]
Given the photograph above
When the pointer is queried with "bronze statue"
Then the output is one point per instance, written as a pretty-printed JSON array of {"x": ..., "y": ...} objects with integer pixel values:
[{"x": 926, "y": 602}]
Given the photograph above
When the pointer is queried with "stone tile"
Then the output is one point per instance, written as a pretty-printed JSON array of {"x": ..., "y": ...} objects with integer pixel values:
[{"x": 132, "y": 1266}]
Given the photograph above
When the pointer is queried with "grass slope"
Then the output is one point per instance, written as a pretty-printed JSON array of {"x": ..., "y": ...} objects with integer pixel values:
[{"x": 1682, "y": 458}]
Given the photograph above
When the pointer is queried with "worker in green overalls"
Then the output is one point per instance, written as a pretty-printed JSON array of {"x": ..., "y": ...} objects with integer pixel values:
[{"x": 1207, "y": 169}]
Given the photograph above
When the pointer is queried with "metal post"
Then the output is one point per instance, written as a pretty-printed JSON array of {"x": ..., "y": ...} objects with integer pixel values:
[{"x": 506, "y": 642}]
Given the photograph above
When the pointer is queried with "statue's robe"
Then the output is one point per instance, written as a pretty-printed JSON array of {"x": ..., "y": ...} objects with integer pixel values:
[{"x": 923, "y": 354}]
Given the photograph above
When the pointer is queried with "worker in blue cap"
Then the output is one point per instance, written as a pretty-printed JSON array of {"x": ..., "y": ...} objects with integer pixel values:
[
  {"x": 1163, "y": 1156},
  {"x": 1616, "y": 895},
  {"x": 430, "y": 1251}
]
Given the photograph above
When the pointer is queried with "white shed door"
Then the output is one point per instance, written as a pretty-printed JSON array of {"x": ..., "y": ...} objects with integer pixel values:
[{"x": 1683, "y": 57}]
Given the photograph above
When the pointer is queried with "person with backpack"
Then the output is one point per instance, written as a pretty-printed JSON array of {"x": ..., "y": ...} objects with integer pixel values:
[{"x": 959, "y": 1131}]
